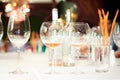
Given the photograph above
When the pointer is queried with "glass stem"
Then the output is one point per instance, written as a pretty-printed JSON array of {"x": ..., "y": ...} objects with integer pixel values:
[
  {"x": 52, "y": 54},
  {"x": 18, "y": 60},
  {"x": 77, "y": 64},
  {"x": 77, "y": 60}
]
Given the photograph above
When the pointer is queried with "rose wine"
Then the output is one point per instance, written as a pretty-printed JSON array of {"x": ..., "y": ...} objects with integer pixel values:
[{"x": 52, "y": 44}]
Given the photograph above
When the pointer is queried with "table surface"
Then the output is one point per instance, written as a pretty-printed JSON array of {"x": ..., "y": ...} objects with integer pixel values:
[{"x": 36, "y": 66}]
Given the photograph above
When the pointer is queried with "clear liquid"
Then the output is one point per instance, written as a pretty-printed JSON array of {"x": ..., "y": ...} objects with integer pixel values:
[
  {"x": 83, "y": 49},
  {"x": 18, "y": 41},
  {"x": 79, "y": 45}
]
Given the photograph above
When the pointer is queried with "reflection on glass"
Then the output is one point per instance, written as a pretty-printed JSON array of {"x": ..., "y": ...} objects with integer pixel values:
[{"x": 1, "y": 27}]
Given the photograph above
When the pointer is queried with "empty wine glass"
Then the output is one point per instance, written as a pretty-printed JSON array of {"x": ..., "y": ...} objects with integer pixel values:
[
  {"x": 116, "y": 35},
  {"x": 79, "y": 41},
  {"x": 116, "y": 40},
  {"x": 18, "y": 33},
  {"x": 1, "y": 27},
  {"x": 51, "y": 36}
]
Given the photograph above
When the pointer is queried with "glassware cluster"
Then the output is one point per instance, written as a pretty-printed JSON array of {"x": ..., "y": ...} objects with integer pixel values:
[
  {"x": 74, "y": 36},
  {"x": 76, "y": 40}
]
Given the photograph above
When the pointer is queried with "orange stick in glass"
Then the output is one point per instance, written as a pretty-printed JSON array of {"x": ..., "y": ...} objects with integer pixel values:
[
  {"x": 113, "y": 24},
  {"x": 101, "y": 22},
  {"x": 102, "y": 26},
  {"x": 105, "y": 25},
  {"x": 103, "y": 12}
]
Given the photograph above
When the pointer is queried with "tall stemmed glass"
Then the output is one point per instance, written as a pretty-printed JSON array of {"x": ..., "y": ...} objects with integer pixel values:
[
  {"x": 1, "y": 27},
  {"x": 18, "y": 33},
  {"x": 116, "y": 41},
  {"x": 51, "y": 36},
  {"x": 116, "y": 35},
  {"x": 80, "y": 43}
]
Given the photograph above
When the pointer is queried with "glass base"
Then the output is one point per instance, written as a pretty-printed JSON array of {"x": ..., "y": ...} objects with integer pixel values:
[
  {"x": 77, "y": 73},
  {"x": 102, "y": 68},
  {"x": 100, "y": 71},
  {"x": 51, "y": 73},
  {"x": 17, "y": 71}
]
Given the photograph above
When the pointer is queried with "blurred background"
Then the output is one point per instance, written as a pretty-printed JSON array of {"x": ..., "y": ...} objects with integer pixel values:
[{"x": 41, "y": 10}]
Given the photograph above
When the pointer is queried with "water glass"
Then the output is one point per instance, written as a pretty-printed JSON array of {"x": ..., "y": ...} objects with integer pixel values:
[{"x": 102, "y": 53}]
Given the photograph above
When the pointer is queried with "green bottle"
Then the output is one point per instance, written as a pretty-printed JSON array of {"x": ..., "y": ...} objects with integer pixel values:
[{"x": 43, "y": 48}]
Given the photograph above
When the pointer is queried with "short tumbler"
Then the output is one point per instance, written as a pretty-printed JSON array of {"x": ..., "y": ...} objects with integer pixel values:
[{"x": 102, "y": 53}]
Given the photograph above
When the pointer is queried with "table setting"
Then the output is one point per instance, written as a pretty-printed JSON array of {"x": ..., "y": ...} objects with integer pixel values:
[
  {"x": 68, "y": 55},
  {"x": 36, "y": 65}
]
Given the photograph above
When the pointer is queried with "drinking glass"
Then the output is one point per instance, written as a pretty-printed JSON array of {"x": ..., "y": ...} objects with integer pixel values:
[
  {"x": 1, "y": 27},
  {"x": 51, "y": 36},
  {"x": 79, "y": 40},
  {"x": 94, "y": 40},
  {"x": 102, "y": 53},
  {"x": 116, "y": 35},
  {"x": 116, "y": 40},
  {"x": 18, "y": 33}
]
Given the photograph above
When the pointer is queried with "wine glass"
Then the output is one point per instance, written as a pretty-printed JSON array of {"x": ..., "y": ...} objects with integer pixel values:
[
  {"x": 18, "y": 32},
  {"x": 1, "y": 27},
  {"x": 51, "y": 36},
  {"x": 116, "y": 35},
  {"x": 79, "y": 41},
  {"x": 116, "y": 40}
]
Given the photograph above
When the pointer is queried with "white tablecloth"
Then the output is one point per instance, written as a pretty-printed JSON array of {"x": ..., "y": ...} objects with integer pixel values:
[{"x": 36, "y": 66}]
